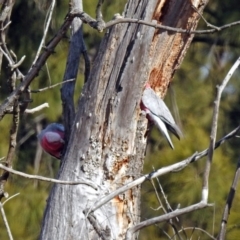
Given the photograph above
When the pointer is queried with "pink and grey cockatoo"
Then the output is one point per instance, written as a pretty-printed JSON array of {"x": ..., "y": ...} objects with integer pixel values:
[
  {"x": 52, "y": 139},
  {"x": 157, "y": 112}
]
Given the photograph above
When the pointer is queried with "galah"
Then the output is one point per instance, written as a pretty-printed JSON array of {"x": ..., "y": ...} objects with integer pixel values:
[
  {"x": 52, "y": 139},
  {"x": 157, "y": 112}
]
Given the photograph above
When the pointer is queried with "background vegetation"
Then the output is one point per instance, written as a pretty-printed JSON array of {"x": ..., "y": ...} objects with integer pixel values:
[{"x": 193, "y": 89}]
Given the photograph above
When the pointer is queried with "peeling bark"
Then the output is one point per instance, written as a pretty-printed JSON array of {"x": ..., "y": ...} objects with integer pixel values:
[{"x": 107, "y": 143}]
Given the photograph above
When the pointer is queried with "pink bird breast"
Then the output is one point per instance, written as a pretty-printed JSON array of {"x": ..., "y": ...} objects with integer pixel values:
[
  {"x": 53, "y": 143},
  {"x": 147, "y": 85},
  {"x": 146, "y": 110}
]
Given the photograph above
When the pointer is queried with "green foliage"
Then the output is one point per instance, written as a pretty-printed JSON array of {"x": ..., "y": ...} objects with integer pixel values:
[
  {"x": 204, "y": 67},
  {"x": 24, "y": 212}
]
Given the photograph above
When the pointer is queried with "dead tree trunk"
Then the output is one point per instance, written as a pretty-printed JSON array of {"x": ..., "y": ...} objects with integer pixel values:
[{"x": 107, "y": 143}]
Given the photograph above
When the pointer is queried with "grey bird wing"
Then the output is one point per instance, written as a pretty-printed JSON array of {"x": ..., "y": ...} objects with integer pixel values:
[
  {"x": 162, "y": 127},
  {"x": 157, "y": 107},
  {"x": 55, "y": 127}
]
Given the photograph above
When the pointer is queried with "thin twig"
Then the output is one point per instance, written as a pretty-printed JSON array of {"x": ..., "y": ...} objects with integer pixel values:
[
  {"x": 7, "y": 56},
  {"x": 52, "y": 86},
  {"x": 165, "y": 197},
  {"x": 205, "y": 189},
  {"x": 13, "y": 54},
  {"x": 164, "y": 170},
  {"x": 5, "y": 11},
  {"x": 48, "y": 73},
  {"x": 94, "y": 24},
  {"x": 16, "y": 65},
  {"x": 37, "y": 109},
  {"x": 199, "y": 229},
  {"x": 46, "y": 27},
  {"x": 169, "y": 209},
  {"x": 4, "y": 27},
  {"x": 6, "y": 222},
  {"x": 11, "y": 62},
  {"x": 214, "y": 216},
  {"x": 45, "y": 179},
  {"x": 203, "y": 18},
  {"x": 158, "y": 198},
  {"x": 229, "y": 202},
  {"x": 164, "y": 217},
  {"x": 36, "y": 68},
  {"x": 175, "y": 232},
  {"x": 13, "y": 196},
  {"x": 170, "y": 29}
]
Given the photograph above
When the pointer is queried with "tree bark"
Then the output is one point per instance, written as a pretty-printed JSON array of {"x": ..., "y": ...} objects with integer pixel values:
[
  {"x": 107, "y": 143},
  {"x": 76, "y": 48}
]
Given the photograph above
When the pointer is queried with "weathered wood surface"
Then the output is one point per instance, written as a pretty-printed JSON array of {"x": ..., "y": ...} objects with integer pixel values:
[
  {"x": 76, "y": 48},
  {"x": 107, "y": 144}
]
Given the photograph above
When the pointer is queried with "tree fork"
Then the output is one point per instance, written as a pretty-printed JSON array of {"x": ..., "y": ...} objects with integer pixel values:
[{"x": 107, "y": 143}]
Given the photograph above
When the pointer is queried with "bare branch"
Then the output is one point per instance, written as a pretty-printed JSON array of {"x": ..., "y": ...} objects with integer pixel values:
[
  {"x": 7, "y": 56},
  {"x": 16, "y": 65},
  {"x": 220, "y": 89},
  {"x": 36, "y": 68},
  {"x": 104, "y": 234},
  {"x": 199, "y": 229},
  {"x": 95, "y": 24},
  {"x": 158, "y": 198},
  {"x": 6, "y": 222},
  {"x": 46, "y": 27},
  {"x": 203, "y": 18},
  {"x": 4, "y": 215},
  {"x": 11, "y": 62},
  {"x": 5, "y": 12},
  {"x": 13, "y": 54},
  {"x": 164, "y": 170},
  {"x": 164, "y": 217},
  {"x": 45, "y": 179},
  {"x": 165, "y": 197},
  {"x": 98, "y": 10},
  {"x": 8, "y": 199},
  {"x": 99, "y": 17},
  {"x": 37, "y": 109},
  {"x": 3, "y": 28},
  {"x": 229, "y": 202},
  {"x": 52, "y": 86},
  {"x": 85, "y": 18},
  {"x": 170, "y": 29},
  {"x": 161, "y": 205}
]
